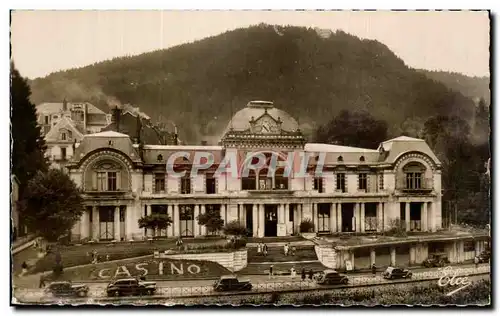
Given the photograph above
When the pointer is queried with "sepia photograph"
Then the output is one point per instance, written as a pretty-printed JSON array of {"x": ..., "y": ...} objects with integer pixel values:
[{"x": 250, "y": 158}]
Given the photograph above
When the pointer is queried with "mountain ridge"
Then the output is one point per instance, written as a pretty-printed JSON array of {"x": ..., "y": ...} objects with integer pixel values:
[{"x": 312, "y": 76}]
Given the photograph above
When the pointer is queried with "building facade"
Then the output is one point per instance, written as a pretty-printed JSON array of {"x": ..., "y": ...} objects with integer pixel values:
[{"x": 358, "y": 190}]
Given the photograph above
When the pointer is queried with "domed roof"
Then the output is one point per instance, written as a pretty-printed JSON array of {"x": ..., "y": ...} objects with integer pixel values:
[{"x": 254, "y": 110}]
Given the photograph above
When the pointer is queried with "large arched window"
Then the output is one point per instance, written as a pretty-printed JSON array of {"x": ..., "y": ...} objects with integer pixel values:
[
  {"x": 414, "y": 174},
  {"x": 107, "y": 176},
  {"x": 280, "y": 181},
  {"x": 265, "y": 181}
]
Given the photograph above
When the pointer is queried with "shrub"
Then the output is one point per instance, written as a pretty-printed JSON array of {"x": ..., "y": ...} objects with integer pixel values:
[
  {"x": 235, "y": 228},
  {"x": 306, "y": 226},
  {"x": 397, "y": 228}
]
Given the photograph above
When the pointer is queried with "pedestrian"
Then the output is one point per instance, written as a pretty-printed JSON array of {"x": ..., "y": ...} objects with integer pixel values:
[
  {"x": 374, "y": 269},
  {"x": 107, "y": 257},
  {"x": 311, "y": 273},
  {"x": 285, "y": 249},
  {"x": 271, "y": 272},
  {"x": 42, "y": 281},
  {"x": 259, "y": 249},
  {"x": 476, "y": 261},
  {"x": 265, "y": 250},
  {"x": 303, "y": 274},
  {"x": 293, "y": 273},
  {"x": 293, "y": 250}
]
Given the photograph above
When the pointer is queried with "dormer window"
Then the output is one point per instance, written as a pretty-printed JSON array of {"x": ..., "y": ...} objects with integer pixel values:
[
  {"x": 159, "y": 158},
  {"x": 340, "y": 159},
  {"x": 362, "y": 159},
  {"x": 63, "y": 136}
]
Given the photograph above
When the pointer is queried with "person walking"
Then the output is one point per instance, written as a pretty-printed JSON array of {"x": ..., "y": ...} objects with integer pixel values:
[
  {"x": 293, "y": 273},
  {"x": 311, "y": 273},
  {"x": 285, "y": 249},
  {"x": 271, "y": 272},
  {"x": 259, "y": 249},
  {"x": 265, "y": 250},
  {"x": 476, "y": 261},
  {"x": 374, "y": 269},
  {"x": 42, "y": 282},
  {"x": 293, "y": 250},
  {"x": 303, "y": 274}
]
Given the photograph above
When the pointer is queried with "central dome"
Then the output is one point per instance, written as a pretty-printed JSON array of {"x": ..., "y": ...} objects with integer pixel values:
[{"x": 254, "y": 110}]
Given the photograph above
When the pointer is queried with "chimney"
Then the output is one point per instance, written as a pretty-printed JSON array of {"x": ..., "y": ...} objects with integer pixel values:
[
  {"x": 65, "y": 105},
  {"x": 115, "y": 118}
]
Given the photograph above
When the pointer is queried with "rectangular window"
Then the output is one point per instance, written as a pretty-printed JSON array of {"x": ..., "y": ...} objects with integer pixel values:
[
  {"x": 341, "y": 182},
  {"x": 318, "y": 184},
  {"x": 185, "y": 185},
  {"x": 46, "y": 120},
  {"x": 70, "y": 134},
  {"x": 362, "y": 181},
  {"x": 248, "y": 183},
  {"x": 210, "y": 184},
  {"x": 63, "y": 136},
  {"x": 413, "y": 180},
  {"x": 63, "y": 153},
  {"x": 101, "y": 181},
  {"x": 111, "y": 181},
  {"x": 381, "y": 181},
  {"x": 159, "y": 182},
  {"x": 290, "y": 212}
]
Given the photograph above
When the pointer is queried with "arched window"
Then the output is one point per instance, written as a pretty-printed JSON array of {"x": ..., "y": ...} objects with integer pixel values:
[
  {"x": 280, "y": 181},
  {"x": 362, "y": 158},
  {"x": 265, "y": 182},
  {"x": 340, "y": 159},
  {"x": 107, "y": 177},
  {"x": 414, "y": 174},
  {"x": 249, "y": 182}
]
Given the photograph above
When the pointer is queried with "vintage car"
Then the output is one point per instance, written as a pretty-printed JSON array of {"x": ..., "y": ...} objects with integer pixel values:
[
  {"x": 67, "y": 289},
  {"x": 396, "y": 273},
  {"x": 436, "y": 260},
  {"x": 130, "y": 287},
  {"x": 231, "y": 283},
  {"x": 484, "y": 257},
  {"x": 330, "y": 277}
]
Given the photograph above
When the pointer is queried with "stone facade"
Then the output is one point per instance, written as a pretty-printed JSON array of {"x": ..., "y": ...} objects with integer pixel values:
[{"x": 359, "y": 190}]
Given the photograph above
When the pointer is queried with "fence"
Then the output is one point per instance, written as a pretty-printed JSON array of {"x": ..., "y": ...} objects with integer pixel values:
[{"x": 98, "y": 291}]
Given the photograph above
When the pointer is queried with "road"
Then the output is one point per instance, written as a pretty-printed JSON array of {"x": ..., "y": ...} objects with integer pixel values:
[{"x": 260, "y": 284}]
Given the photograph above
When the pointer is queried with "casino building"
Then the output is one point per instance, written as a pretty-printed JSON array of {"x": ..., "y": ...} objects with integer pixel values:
[{"x": 361, "y": 190}]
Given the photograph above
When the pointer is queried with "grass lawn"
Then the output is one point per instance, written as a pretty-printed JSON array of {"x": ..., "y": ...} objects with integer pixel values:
[
  {"x": 276, "y": 254},
  {"x": 152, "y": 269},
  {"x": 79, "y": 255}
]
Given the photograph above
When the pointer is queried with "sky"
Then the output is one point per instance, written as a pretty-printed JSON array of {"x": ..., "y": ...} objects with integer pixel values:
[{"x": 47, "y": 41}]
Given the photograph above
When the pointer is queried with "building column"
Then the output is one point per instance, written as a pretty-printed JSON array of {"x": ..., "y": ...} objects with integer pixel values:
[
  {"x": 477, "y": 248},
  {"x": 352, "y": 259},
  {"x": 255, "y": 220},
  {"x": 362, "y": 218},
  {"x": 117, "y": 223},
  {"x": 373, "y": 257},
  {"x": 432, "y": 218},
  {"x": 356, "y": 218},
  {"x": 339, "y": 217},
  {"x": 393, "y": 256},
  {"x": 423, "y": 217},
  {"x": 407, "y": 216},
  {"x": 203, "y": 227},
  {"x": 413, "y": 255},
  {"x": 380, "y": 217},
  {"x": 170, "y": 232},
  {"x": 333, "y": 218},
  {"x": 95, "y": 223},
  {"x": 176, "y": 229},
  {"x": 149, "y": 231},
  {"x": 261, "y": 220},
  {"x": 243, "y": 215},
  {"x": 223, "y": 214},
  {"x": 287, "y": 218},
  {"x": 315, "y": 216},
  {"x": 130, "y": 223},
  {"x": 196, "y": 226},
  {"x": 84, "y": 224}
]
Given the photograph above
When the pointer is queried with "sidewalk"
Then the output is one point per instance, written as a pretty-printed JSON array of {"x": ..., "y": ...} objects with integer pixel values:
[{"x": 282, "y": 243}]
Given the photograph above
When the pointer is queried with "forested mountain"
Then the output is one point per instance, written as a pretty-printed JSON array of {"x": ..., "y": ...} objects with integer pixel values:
[
  {"x": 472, "y": 87},
  {"x": 311, "y": 75}
]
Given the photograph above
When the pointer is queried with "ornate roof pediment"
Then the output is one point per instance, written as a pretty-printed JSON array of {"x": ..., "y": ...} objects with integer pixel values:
[{"x": 265, "y": 124}]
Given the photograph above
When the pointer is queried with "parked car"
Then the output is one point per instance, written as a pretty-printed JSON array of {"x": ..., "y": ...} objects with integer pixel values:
[
  {"x": 330, "y": 277},
  {"x": 396, "y": 273},
  {"x": 67, "y": 289},
  {"x": 130, "y": 287},
  {"x": 231, "y": 283},
  {"x": 484, "y": 257},
  {"x": 436, "y": 260}
]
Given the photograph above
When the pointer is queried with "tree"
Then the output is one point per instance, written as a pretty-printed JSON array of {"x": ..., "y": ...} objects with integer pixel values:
[
  {"x": 211, "y": 219},
  {"x": 357, "y": 129},
  {"x": 28, "y": 146},
  {"x": 51, "y": 204},
  {"x": 235, "y": 228},
  {"x": 155, "y": 222}
]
